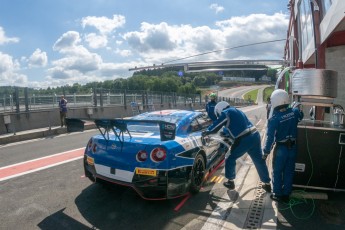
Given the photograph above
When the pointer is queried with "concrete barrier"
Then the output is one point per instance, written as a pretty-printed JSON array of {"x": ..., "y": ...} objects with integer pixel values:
[{"x": 49, "y": 118}]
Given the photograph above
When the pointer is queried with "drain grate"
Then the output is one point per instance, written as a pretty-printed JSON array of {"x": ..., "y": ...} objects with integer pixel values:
[{"x": 256, "y": 210}]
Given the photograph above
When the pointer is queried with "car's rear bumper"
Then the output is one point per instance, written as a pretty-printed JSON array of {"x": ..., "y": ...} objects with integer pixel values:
[{"x": 167, "y": 184}]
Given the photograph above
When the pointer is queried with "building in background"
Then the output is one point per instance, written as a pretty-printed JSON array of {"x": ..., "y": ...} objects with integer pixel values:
[{"x": 316, "y": 39}]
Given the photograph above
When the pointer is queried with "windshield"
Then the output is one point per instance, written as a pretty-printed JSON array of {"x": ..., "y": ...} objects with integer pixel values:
[
  {"x": 175, "y": 118},
  {"x": 143, "y": 127}
]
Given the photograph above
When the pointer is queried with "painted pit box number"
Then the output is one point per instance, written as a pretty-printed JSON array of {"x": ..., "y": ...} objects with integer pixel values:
[{"x": 146, "y": 172}]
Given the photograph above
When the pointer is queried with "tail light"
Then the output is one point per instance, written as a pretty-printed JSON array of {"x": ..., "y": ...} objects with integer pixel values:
[
  {"x": 158, "y": 154},
  {"x": 89, "y": 145},
  {"x": 141, "y": 156},
  {"x": 94, "y": 148}
]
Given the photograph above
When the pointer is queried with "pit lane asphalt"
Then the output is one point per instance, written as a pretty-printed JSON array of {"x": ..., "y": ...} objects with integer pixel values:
[{"x": 62, "y": 198}]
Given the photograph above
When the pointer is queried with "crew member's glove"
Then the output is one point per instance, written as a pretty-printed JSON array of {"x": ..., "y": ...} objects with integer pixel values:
[
  {"x": 265, "y": 155},
  {"x": 297, "y": 105},
  {"x": 204, "y": 133},
  {"x": 224, "y": 134}
]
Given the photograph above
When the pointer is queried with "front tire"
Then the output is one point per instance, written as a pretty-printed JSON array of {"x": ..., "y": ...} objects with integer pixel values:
[{"x": 197, "y": 174}]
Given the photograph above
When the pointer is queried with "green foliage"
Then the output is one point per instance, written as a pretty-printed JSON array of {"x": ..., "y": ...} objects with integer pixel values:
[
  {"x": 159, "y": 79},
  {"x": 267, "y": 92},
  {"x": 272, "y": 73},
  {"x": 251, "y": 96}
]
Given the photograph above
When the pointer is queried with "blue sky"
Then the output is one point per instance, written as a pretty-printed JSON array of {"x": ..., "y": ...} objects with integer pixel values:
[{"x": 53, "y": 43}]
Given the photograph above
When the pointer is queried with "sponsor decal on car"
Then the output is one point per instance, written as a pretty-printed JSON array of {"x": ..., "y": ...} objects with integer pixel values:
[{"x": 146, "y": 172}]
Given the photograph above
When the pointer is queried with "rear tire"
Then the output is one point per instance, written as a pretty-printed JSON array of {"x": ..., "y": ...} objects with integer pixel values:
[{"x": 197, "y": 174}]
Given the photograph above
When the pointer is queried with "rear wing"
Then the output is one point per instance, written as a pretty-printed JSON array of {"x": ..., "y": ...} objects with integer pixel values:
[{"x": 167, "y": 130}]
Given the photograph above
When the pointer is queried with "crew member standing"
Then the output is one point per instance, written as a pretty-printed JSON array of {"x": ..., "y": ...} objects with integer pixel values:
[
  {"x": 282, "y": 130},
  {"x": 245, "y": 139},
  {"x": 63, "y": 110},
  {"x": 210, "y": 107}
]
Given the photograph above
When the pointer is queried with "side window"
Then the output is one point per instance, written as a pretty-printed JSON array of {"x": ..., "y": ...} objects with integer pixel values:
[
  {"x": 204, "y": 121},
  {"x": 194, "y": 126},
  {"x": 199, "y": 123}
]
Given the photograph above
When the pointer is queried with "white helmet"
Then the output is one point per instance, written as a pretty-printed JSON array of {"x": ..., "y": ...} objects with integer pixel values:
[
  {"x": 220, "y": 106},
  {"x": 279, "y": 97}
]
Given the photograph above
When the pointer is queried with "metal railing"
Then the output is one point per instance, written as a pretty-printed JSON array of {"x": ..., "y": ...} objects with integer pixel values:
[
  {"x": 10, "y": 103},
  {"x": 29, "y": 102}
]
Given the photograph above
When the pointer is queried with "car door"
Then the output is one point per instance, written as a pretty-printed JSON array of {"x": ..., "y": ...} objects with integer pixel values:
[{"x": 210, "y": 145}]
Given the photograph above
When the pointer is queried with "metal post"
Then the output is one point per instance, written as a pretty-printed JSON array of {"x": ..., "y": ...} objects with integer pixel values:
[
  {"x": 95, "y": 97},
  {"x": 11, "y": 103},
  {"x": 4, "y": 103},
  {"x": 54, "y": 100},
  {"x": 174, "y": 99},
  {"x": 291, "y": 45},
  {"x": 26, "y": 99},
  {"x": 143, "y": 100},
  {"x": 125, "y": 99},
  {"x": 101, "y": 97},
  {"x": 147, "y": 99},
  {"x": 16, "y": 97},
  {"x": 49, "y": 122}
]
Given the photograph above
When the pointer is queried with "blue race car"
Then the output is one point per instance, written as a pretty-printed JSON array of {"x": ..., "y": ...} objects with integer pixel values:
[{"x": 160, "y": 154}]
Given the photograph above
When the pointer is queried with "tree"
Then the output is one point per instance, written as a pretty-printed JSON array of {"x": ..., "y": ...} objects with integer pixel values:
[
  {"x": 272, "y": 73},
  {"x": 199, "y": 81}
]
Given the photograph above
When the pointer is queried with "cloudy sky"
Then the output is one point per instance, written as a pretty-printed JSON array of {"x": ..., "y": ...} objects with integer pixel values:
[{"x": 53, "y": 43}]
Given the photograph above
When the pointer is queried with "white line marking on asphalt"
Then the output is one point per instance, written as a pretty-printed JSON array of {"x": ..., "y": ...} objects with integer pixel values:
[
  {"x": 39, "y": 169},
  {"x": 44, "y": 138},
  {"x": 57, "y": 154},
  {"x": 258, "y": 122}
]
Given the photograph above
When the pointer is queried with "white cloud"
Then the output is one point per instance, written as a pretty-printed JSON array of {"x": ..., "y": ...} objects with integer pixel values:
[
  {"x": 116, "y": 69},
  {"x": 217, "y": 8},
  {"x": 80, "y": 65},
  {"x": 38, "y": 59},
  {"x": 96, "y": 41},
  {"x": 9, "y": 71},
  {"x": 4, "y": 39},
  {"x": 255, "y": 28},
  {"x": 103, "y": 24},
  {"x": 152, "y": 37},
  {"x": 124, "y": 53},
  {"x": 66, "y": 41},
  {"x": 157, "y": 43},
  {"x": 77, "y": 60}
]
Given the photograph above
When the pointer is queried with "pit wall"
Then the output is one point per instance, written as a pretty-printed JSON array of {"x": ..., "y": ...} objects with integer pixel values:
[{"x": 13, "y": 122}]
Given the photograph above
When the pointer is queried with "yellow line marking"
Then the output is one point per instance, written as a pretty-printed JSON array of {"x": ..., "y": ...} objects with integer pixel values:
[
  {"x": 217, "y": 179},
  {"x": 214, "y": 178},
  {"x": 220, "y": 179}
]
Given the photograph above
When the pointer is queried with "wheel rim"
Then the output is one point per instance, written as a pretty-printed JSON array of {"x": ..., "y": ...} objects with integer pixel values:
[{"x": 199, "y": 172}]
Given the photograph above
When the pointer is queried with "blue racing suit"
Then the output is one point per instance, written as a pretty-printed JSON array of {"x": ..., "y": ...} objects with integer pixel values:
[
  {"x": 282, "y": 130},
  {"x": 210, "y": 109},
  {"x": 245, "y": 138}
]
